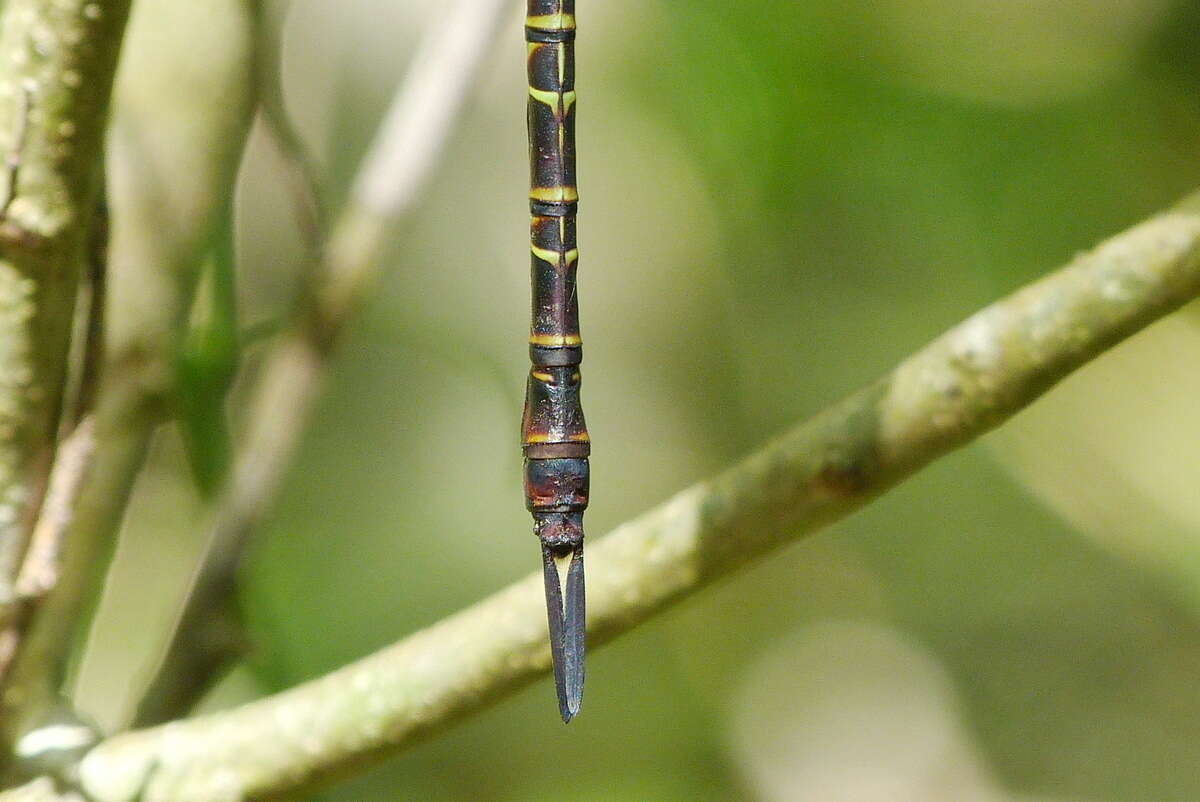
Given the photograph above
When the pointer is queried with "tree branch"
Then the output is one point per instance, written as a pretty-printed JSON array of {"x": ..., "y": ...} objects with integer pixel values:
[
  {"x": 955, "y": 389},
  {"x": 397, "y": 167},
  {"x": 59, "y": 59},
  {"x": 184, "y": 106}
]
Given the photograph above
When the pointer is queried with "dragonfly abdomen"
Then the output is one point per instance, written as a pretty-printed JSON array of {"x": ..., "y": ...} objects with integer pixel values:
[{"x": 554, "y": 434}]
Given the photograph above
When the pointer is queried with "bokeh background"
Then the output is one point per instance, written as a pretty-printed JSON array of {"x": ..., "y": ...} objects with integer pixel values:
[{"x": 783, "y": 198}]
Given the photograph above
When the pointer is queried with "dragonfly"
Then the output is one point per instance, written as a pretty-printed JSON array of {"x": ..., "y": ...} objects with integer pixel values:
[{"x": 555, "y": 438}]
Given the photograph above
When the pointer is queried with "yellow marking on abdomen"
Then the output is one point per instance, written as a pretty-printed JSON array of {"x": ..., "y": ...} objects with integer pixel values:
[
  {"x": 552, "y": 257},
  {"x": 551, "y": 99},
  {"x": 552, "y": 340},
  {"x": 539, "y": 437},
  {"x": 542, "y": 377},
  {"x": 554, "y": 99},
  {"x": 554, "y": 194},
  {"x": 551, "y": 22}
]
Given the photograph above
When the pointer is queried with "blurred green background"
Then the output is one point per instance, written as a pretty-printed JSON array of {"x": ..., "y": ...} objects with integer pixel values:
[{"x": 784, "y": 198}]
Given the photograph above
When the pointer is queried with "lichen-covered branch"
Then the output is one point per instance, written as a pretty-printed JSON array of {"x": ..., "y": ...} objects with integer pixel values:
[
  {"x": 59, "y": 59},
  {"x": 403, "y": 155},
  {"x": 958, "y": 387},
  {"x": 184, "y": 103}
]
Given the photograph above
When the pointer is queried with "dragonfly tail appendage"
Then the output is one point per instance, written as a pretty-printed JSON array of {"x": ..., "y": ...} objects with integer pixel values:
[
  {"x": 562, "y": 540},
  {"x": 555, "y": 614},
  {"x": 575, "y": 635}
]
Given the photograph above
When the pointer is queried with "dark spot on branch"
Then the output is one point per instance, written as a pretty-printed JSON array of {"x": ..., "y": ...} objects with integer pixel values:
[{"x": 842, "y": 475}]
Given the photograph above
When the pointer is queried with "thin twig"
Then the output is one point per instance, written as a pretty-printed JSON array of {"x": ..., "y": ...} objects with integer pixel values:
[
  {"x": 405, "y": 153},
  {"x": 963, "y": 384},
  {"x": 422, "y": 114},
  {"x": 303, "y": 175},
  {"x": 40, "y": 571},
  {"x": 92, "y": 357},
  {"x": 43, "y": 558}
]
